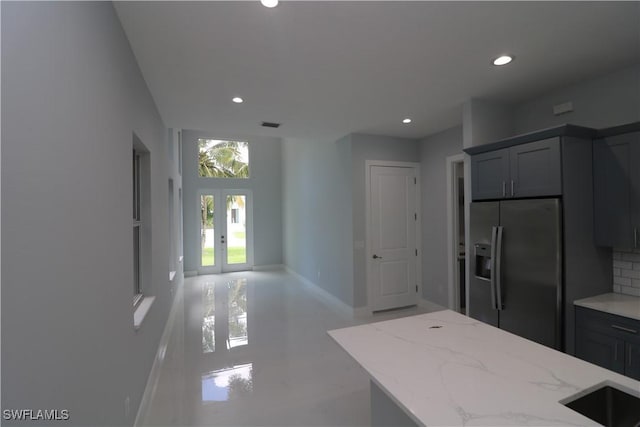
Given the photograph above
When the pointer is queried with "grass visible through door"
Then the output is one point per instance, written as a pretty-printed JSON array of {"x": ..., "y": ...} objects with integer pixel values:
[{"x": 236, "y": 254}]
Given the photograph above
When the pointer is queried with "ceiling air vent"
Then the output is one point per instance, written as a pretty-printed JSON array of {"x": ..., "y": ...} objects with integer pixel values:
[{"x": 270, "y": 125}]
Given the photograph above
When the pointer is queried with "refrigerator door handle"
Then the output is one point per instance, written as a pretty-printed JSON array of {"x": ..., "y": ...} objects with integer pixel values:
[
  {"x": 494, "y": 234},
  {"x": 498, "y": 269}
]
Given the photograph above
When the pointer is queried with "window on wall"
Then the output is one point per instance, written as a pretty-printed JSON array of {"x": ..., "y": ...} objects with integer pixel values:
[
  {"x": 137, "y": 225},
  {"x": 223, "y": 159},
  {"x": 141, "y": 206},
  {"x": 180, "y": 223},
  {"x": 172, "y": 237},
  {"x": 180, "y": 153}
]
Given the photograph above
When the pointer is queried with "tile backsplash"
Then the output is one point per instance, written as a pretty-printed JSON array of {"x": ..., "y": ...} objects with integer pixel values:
[{"x": 626, "y": 272}]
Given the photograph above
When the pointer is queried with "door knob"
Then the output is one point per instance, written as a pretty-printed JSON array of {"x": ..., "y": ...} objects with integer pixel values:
[{"x": 376, "y": 256}]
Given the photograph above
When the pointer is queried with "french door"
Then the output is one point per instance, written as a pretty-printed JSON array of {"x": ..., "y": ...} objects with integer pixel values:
[{"x": 226, "y": 231}]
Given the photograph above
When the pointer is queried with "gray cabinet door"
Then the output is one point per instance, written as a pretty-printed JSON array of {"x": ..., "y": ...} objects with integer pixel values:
[
  {"x": 535, "y": 169},
  {"x": 600, "y": 349},
  {"x": 490, "y": 173},
  {"x": 616, "y": 193},
  {"x": 632, "y": 360},
  {"x": 634, "y": 188}
]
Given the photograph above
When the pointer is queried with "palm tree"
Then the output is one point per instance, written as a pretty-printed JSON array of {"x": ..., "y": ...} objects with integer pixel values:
[{"x": 221, "y": 159}]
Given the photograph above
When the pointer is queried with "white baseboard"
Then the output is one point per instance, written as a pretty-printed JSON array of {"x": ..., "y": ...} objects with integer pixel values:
[
  {"x": 154, "y": 375},
  {"x": 190, "y": 273},
  {"x": 268, "y": 267},
  {"x": 345, "y": 309},
  {"x": 432, "y": 306},
  {"x": 365, "y": 312},
  {"x": 331, "y": 300}
]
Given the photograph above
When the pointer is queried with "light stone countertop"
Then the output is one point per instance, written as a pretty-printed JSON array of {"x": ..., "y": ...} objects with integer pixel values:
[
  {"x": 444, "y": 368},
  {"x": 619, "y": 304}
]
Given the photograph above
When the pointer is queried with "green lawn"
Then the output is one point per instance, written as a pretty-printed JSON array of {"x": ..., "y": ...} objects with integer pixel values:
[{"x": 237, "y": 255}]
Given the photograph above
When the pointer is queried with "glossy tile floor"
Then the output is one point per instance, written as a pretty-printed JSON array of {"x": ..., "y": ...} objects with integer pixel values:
[{"x": 251, "y": 348}]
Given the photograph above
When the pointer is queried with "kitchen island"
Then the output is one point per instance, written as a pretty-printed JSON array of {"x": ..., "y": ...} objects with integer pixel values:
[{"x": 444, "y": 368}]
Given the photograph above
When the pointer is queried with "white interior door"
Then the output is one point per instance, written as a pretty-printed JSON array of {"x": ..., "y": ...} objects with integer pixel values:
[
  {"x": 393, "y": 240},
  {"x": 226, "y": 231}
]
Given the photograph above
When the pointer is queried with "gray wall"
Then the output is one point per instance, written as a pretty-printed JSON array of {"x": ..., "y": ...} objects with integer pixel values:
[
  {"x": 72, "y": 95},
  {"x": 174, "y": 174},
  {"x": 370, "y": 147},
  {"x": 433, "y": 153},
  {"x": 608, "y": 100},
  {"x": 485, "y": 121},
  {"x": 264, "y": 181},
  {"x": 317, "y": 213},
  {"x": 324, "y": 208}
]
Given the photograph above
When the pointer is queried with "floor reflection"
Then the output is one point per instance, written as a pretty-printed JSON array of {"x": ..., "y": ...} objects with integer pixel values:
[
  {"x": 228, "y": 370},
  {"x": 208, "y": 318},
  {"x": 227, "y": 384},
  {"x": 251, "y": 348},
  {"x": 237, "y": 291},
  {"x": 228, "y": 302}
]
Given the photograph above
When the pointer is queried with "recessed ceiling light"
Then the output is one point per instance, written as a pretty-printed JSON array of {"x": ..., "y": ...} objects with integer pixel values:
[
  {"x": 503, "y": 60},
  {"x": 269, "y": 3},
  {"x": 407, "y": 120},
  {"x": 238, "y": 100}
]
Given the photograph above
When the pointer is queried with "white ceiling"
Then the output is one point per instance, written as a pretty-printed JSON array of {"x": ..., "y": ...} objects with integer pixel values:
[{"x": 326, "y": 69}]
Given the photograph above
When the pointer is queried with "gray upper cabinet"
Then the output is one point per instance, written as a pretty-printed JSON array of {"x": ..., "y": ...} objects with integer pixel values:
[
  {"x": 490, "y": 173},
  {"x": 535, "y": 169},
  {"x": 526, "y": 170},
  {"x": 616, "y": 174}
]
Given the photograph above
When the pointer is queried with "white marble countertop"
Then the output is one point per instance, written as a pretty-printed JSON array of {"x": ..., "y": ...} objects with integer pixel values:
[
  {"x": 444, "y": 368},
  {"x": 622, "y": 305}
]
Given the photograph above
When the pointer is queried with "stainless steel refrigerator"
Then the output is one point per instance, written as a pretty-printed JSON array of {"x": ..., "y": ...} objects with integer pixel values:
[{"x": 516, "y": 267}]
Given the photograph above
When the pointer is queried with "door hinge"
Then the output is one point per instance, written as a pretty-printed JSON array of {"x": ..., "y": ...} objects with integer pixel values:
[
  {"x": 416, "y": 252},
  {"x": 416, "y": 288},
  {"x": 415, "y": 216},
  {"x": 415, "y": 180}
]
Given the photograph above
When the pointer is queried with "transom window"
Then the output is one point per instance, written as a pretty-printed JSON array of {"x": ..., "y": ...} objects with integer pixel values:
[{"x": 223, "y": 159}]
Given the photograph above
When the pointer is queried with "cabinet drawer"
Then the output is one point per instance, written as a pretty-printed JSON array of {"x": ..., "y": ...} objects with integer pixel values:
[{"x": 610, "y": 324}]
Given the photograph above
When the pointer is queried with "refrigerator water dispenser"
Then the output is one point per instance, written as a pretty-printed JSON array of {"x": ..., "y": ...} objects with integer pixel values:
[{"x": 483, "y": 261}]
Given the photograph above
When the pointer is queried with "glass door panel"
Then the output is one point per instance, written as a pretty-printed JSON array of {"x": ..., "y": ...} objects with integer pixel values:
[
  {"x": 207, "y": 230},
  {"x": 236, "y": 229}
]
